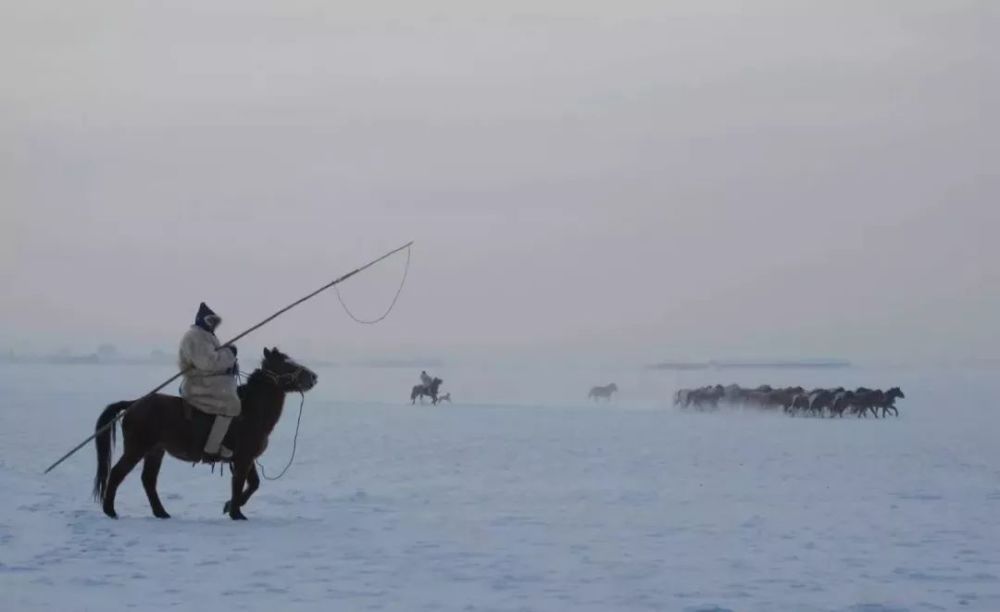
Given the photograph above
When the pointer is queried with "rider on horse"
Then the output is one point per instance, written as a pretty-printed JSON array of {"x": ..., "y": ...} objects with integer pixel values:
[
  {"x": 210, "y": 379},
  {"x": 425, "y": 379}
]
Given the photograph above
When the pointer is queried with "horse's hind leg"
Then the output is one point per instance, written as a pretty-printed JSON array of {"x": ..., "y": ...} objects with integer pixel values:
[
  {"x": 150, "y": 471},
  {"x": 128, "y": 461}
]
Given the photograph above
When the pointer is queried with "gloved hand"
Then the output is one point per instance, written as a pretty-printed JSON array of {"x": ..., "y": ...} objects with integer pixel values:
[{"x": 235, "y": 369}]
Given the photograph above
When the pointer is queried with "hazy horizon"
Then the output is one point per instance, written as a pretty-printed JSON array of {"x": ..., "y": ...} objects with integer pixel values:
[{"x": 643, "y": 181}]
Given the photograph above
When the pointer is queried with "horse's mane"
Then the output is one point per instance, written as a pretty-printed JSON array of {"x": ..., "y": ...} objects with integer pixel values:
[{"x": 256, "y": 376}]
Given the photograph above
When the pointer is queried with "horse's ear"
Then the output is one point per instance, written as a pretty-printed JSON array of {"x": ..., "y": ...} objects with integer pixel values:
[{"x": 267, "y": 353}]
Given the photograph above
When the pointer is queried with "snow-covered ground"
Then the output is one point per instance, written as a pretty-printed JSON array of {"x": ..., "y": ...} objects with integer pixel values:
[{"x": 522, "y": 496}]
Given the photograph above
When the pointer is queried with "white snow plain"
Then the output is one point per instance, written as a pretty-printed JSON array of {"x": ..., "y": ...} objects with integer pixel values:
[{"x": 522, "y": 496}]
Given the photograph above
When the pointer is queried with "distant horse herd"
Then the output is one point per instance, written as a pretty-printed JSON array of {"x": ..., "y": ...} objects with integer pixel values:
[{"x": 794, "y": 401}]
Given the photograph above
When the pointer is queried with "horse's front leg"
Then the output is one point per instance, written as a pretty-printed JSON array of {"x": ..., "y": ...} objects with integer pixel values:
[
  {"x": 241, "y": 469},
  {"x": 253, "y": 483}
]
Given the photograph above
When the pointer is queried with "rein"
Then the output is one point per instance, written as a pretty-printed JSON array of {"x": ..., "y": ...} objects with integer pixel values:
[
  {"x": 395, "y": 298},
  {"x": 295, "y": 442},
  {"x": 277, "y": 378}
]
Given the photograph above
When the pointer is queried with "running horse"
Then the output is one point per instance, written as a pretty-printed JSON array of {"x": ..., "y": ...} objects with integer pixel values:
[
  {"x": 161, "y": 424},
  {"x": 423, "y": 391},
  {"x": 602, "y": 392}
]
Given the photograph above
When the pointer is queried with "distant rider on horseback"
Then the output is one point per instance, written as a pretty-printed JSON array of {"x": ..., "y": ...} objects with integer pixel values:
[
  {"x": 210, "y": 379},
  {"x": 425, "y": 379}
]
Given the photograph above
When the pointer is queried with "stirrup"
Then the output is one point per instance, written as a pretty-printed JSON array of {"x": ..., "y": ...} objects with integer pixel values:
[{"x": 224, "y": 455}]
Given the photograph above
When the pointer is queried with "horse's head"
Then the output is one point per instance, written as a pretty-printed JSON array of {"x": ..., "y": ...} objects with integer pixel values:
[
  {"x": 895, "y": 393},
  {"x": 436, "y": 384},
  {"x": 287, "y": 373},
  {"x": 612, "y": 387}
]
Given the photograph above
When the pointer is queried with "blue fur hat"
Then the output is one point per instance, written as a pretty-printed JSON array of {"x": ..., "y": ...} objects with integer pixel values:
[{"x": 206, "y": 318}]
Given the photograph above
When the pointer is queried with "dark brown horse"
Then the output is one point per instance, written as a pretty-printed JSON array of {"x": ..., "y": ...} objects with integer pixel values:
[
  {"x": 780, "y": 398},
  {"x": 865, "y": 400},
  {"x": 163, "y": 424},
  {"x": 841, "y": 401},
  {"x": 430, "y": 391},
  {"x": 800, "y": 403},
  {"x": 821, "y": 400},
  {"x": 889, "y": 401}
]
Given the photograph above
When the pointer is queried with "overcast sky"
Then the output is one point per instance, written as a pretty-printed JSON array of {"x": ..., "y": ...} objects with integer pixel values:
[{"x": 658, "y": 179}]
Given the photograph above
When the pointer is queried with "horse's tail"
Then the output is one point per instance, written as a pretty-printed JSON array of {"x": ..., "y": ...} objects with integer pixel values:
[{"x": 105, "y": 441}]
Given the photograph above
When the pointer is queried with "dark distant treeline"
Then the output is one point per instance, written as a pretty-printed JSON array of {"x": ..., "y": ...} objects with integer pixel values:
[{"x": 724, "y": 365}]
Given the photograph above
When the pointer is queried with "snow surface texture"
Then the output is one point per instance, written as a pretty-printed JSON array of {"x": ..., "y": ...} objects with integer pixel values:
[{"x": 531, "y": 499}]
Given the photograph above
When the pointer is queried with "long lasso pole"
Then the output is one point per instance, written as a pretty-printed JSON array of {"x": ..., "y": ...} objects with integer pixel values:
[{"x": 229, "y": 342}]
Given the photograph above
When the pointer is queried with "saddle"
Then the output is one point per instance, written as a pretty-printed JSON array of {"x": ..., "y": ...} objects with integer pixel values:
[{"x": 201, "y": 423}]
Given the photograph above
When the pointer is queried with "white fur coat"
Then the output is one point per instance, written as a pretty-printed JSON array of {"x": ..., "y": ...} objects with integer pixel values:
[{"x": 210, "y": 385}]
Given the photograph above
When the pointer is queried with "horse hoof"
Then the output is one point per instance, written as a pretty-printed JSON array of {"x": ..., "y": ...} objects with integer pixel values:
[
  {"x": 225, "y": 509},
  {"x": 161, "y": 515},
  {"x": 237, "y": 516},
  {"x": 111, "y": 513}
]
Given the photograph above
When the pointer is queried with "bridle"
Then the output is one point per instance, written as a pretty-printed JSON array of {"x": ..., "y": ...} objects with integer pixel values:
[{"x": 279, "y": 379}]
